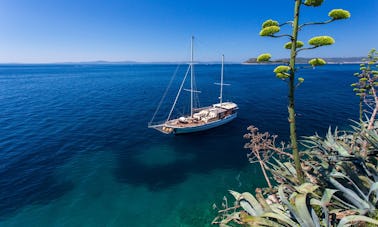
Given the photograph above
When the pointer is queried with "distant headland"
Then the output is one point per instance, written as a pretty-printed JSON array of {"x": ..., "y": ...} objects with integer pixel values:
[{"x": 335, "y": 60}]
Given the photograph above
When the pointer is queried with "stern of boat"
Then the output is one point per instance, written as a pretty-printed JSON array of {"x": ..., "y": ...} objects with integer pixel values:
[{"x": 162, "y": 128}]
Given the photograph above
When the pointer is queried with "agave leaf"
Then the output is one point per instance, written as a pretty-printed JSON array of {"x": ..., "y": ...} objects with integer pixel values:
[
  {"x": 224, "y": 225},
  {"x": 352, "y": 219},
  {"x": 278, "y": 208},
  {"x": 284, "y": 200},
  {"x": 367, "y": 171},
  {"x": 302, "y": 210},
  {"x": 281, "y": 217},
  {"x": 247, "y": 207},
  {"x": 229, "y": 218},
  {"x": 372, "y": 137},
  {"x": 374, "y": 170},
  {"x": 330, "y": 141},
  {"x": 253, "y": 202},
  {"x": 350, "y": 195},
  {"x": 326, "y": 198},
  {"x": 291, "y": 168},
  {"x": 235, "y": 194},
  {"x": 343, "y": 204},
  {"x": 257, "y": 221},
  {"x": 306, "y": 188},
  {"x": 373, "y": 188},
  {"x": 341, "y": 175},
  {"x": 315, "y": 218},
  {"x": 279, "y": 163},
  {"x": 260, "y": 198},
  {"x": 366, "y": 181},
  {"x": 315, "y": 202},
  {"x": 327, "y": 195},
  {"x": 325, "y": 211}
]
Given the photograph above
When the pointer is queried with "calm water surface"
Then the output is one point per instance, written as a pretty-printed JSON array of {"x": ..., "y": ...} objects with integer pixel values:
[{"x": 75, "y": 149}]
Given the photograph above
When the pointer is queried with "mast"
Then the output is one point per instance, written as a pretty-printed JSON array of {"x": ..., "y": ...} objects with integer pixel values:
[
  {"x": 221, "y": 83},
  {"x": 191, "y": 79}
]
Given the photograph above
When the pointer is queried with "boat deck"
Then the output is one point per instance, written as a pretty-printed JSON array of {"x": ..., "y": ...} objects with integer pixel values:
[{"x": 202, "y": 119}]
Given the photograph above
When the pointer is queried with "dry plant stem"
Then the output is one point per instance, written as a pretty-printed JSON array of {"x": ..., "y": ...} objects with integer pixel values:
[
  {"x": 228, "y": 209},
  {"x": 372, "y": 118},
  {"x": 263, "y": 168},
  {"x": 263, "y": 146}
]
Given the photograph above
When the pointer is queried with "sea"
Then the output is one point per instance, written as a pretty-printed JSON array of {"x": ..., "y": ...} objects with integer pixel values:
[{"x": 75, "y": 149}]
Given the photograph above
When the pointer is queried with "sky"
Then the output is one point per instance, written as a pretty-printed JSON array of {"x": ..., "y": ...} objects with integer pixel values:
[{"x": 46, "y": 31}]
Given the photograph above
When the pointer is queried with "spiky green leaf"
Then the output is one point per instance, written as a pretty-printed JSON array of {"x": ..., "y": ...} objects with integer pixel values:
[
  {"x": 353, "y": 219},
  {"x": 302, "y": 209},
  {"x": 306, "y": 188},
  {"x": 248, "y": 197},
  {"x": 373, "y": 188},
  {"x": 281, "y": 217}
]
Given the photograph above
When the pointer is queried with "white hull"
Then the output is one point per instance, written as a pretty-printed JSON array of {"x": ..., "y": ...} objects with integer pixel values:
[
  {"x": 170, "y": 129},
  {"x": 199, "y": 128}
]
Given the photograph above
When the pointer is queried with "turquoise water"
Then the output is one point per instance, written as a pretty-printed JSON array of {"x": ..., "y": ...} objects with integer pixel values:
[{"x": 75, "y": 149}]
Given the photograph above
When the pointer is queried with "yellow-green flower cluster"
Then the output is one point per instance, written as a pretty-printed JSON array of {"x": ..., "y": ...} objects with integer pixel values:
[
  {"x": 264, "y": 57},
  {"x": 289, "y": 44},
  {"x": 321, "y": 41},
  {"x": 282, "y": 71},
  {"x": 339, "y": 14},
  {"x": 269, "y": 23},
  {"x": 317, "y": 62},
  {"x": 313, "y": 2},
  {"x": 271, "y": 30}
]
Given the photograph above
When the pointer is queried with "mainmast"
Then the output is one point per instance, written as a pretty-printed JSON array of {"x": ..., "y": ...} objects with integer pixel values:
[
  {"x": 191, "y": 79},
  {"x": 221, "y": 83}
]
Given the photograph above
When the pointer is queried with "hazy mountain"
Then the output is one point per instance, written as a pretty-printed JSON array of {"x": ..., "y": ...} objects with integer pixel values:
[{"x": 335, "y": 60}]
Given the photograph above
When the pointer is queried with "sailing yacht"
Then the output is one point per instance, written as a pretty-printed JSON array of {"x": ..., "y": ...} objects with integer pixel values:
[{"x": 199, "y": 119}]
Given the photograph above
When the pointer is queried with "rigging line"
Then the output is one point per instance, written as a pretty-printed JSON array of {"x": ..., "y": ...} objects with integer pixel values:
[
  {"x": 165, "y": 93},
  {"x": 196, "y": 96},
  {"x": 178, "y": 93}
]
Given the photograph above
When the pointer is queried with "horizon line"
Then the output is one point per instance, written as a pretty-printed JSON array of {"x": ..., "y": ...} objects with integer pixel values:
[{"x": 147, "y": 62}]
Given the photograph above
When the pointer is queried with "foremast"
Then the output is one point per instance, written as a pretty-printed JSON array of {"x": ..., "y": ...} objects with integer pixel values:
[{"x": 221, "y": 84}]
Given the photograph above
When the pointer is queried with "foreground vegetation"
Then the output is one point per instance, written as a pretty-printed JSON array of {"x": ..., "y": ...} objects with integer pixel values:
[{"x": 340, "y": 189}]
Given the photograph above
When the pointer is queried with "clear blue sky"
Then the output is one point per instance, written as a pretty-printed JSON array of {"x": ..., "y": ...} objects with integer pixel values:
[{"x": 155, "y": 30}]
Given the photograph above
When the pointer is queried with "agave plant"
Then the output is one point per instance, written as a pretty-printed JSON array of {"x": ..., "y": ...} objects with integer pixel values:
[
  {"x": 304, "y": 206},
  {"x": 341, "y": 187}
]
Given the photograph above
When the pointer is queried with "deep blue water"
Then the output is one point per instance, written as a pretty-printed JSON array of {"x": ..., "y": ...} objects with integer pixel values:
[{"x": 75, "y": 149}]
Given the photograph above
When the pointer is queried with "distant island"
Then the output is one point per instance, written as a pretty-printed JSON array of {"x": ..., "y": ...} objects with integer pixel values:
[{"x": 347, "y": 60}]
